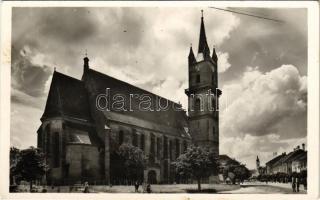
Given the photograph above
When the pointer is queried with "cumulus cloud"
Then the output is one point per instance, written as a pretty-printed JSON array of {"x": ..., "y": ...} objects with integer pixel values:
[
  {"x": 267, "y": 44},
  {"x": 25, "y": 122},
  {"x": 169, "y": 89},
  {"x": 261, "y": 101},
  {"x": 223, "y": 63},
  {"x": 26, "y": 76}
]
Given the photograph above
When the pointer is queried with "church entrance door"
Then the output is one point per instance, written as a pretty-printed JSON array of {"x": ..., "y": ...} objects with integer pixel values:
[{"x": 152, "y": 177}]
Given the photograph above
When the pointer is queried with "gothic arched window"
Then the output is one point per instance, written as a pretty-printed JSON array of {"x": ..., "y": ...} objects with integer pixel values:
[
  {"x": 177, "y": 148},
  {"x": 56, "y": 149},
  {"x": 152, "y": 148},
  {"x": 134, "y": 138},
  {"x": 214, "y": 131},
  {"x": 165, "y": 147},
  {"x": 120, "y": 137},
  {"x": 158, "y": 147},
  {"x": 47, "y": 139},
  {"x": 197, "y": 105},
  {"x": 170, "y": 149},
  {"x": 142, "y": 142}
]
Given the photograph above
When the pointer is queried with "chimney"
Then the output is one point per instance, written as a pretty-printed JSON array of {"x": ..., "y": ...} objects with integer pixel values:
[
  {"x": 303, "y": 147},
  {"x": 298, "y": 147}
]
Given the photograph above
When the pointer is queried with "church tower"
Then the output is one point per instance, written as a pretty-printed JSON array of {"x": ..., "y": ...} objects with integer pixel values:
[
  {"x": 258, "y": 163},
  {"x": 203, "y": 94}
]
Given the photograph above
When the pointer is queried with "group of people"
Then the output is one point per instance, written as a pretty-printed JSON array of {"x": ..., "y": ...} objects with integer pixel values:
[
  {"x": 295, "y": 184},
  {"x": 145, "y": 187}
]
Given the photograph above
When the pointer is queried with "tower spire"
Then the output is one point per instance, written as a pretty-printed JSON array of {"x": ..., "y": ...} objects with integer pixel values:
[
  {"x": 86, "y": 62},
  {"x": 203, "y": 45},
  {"x": 214, "y": 54},
  {"x": 191, "y": 57}
]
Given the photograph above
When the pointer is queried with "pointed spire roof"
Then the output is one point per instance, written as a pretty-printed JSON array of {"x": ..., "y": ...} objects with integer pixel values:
[
  {"x": 214, "y": 54},
  {"x": 203, "y": 45},
  {"x": 191, "y": 56}
]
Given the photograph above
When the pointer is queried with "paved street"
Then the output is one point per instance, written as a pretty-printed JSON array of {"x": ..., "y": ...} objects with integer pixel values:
[
  {"x": 246, "y": 188},
  {"x": 263, "y": 188}
]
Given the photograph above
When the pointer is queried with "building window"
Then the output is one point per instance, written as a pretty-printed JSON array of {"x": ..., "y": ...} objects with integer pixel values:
[
  {"x": 214, "y": 131},
  {"x": 198, "y": 78},
  {"x": 152, "y": 148},
  {"x": 170, "y": 149},
  {"x": 40, "y": 139},
  {"x": 56, "y": 149},
  {"x": 134, "y": 138},
  {"x": 165, "y": 147},
  {"x": 120, "y": 137},
  {"x": 213, "y": 103},
  {"x": 142, "y": 142},
  {"x": 47, "y": 141},
  {"x": 197, "y": 105},
  {"x": 158, "y": 147},
  {"x": 177, "y": 148}
]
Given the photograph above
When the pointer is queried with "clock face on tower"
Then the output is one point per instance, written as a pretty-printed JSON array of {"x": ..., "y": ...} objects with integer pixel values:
[{"x": 197, "y": 68}]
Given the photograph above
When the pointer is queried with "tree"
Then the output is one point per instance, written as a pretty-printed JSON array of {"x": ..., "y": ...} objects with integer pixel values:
[
  {"x": 31, "y": 165},
  {"x": 228, "y": 170},
  {"x": 198, "y": 163},
  {"x": 14, "y": 158},
  {"x": 241, "y": 172},
  {"x": 133, "y": 161}
]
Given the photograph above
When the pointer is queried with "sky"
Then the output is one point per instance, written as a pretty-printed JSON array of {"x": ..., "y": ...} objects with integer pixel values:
[{"x": 262, "y": 66}]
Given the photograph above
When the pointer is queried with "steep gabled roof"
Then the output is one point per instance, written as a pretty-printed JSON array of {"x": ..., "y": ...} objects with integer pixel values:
[
  {"x": 97, "y": 83},
  {"x": 302, "y": 156},
  {"x": 274, "y": 160},
  {"x": 293, "y": 155},
  {"x": 67, "y": 98}
]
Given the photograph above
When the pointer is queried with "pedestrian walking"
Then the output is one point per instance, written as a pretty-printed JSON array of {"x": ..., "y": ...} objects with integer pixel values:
[
  {"x": 136, "y": 186},
  {"x": 86, "y": 187},
  {"x": 148, "y": 188},
  {"x": 293, "y": 184},
  {"x": 297, "y": 183}
]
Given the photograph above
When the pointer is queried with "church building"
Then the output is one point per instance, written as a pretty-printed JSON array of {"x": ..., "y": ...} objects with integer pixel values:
[{"x": 80, "y": 139}]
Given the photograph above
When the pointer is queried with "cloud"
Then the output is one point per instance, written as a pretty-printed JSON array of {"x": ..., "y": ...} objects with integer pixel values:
[
  {"x": 24, "y": 99},
  {"x": 260, "y": 102},
  {"x": 27, "y": 77},
  {"x": 267, "y": 44},
  {"x": 25, "y": 122},
  {"x": 169, "y": 88},
  {"x": 223, "y": 63}
]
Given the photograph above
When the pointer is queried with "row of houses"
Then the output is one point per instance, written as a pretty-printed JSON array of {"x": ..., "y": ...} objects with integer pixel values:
[{"x": 295, "y": 161}]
